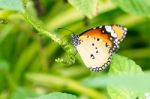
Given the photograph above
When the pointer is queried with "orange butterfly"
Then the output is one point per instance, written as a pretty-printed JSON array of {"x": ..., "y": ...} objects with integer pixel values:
[{"x": 96, "y": 45}]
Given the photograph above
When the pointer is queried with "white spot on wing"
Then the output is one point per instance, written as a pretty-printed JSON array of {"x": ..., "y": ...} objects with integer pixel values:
[
  {"x": 94, "y": 28},
  {"x": 109, "y": 29},
  {"x": 125, "y": 28}
]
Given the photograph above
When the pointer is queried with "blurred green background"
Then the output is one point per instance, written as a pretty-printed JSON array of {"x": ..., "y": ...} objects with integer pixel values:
[{"x": 27, "y": 56}]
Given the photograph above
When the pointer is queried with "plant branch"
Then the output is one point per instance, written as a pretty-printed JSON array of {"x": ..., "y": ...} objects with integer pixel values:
[
  {"x": 63, "y": 83},
  {"x": 62, "y": 42}
]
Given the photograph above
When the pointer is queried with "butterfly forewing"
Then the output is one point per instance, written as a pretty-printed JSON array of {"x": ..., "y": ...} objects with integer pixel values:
[
  {"x": 120, "y": 31},
  {"x": 97, "y": 33}
]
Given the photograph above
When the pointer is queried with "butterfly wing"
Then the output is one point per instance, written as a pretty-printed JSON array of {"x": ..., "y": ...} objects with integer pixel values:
[
  {"x": 120, "y": 31},
  {"x": 94, "y": 53},
  {"x": 96, "y": 45},
  {"x": 97, "y": 33},
  {"x": 117, "y": 32}
]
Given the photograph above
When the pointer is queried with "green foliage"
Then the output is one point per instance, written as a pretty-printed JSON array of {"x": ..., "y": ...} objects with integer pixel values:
[
  {"x": 11, "y": 5},
  {"x": 138, "y": 7},
  {"x": 23, "y": 93},
  {"x": 87, "y": 7},
  {"x": 33, "y": 50},
  {"x": 63, "y": 83},
  {"x": 123, "y": 75},
  {"x": 4, "y": 66},
  {"x": 27, "y": 55},
  {"x": 123, "y": 66},
  {"x": 56, "y": 95}
]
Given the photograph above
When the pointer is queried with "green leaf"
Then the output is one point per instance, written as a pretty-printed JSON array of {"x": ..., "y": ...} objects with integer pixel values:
[
  {"x": 138, "y": 7},
  {"x": 127, "y": 81},
  {"x": 23, "y": 93},
  {"x": 11, "y": 5},
  {"x": 56, "y": 95},
  {"x": 25, "y": 59},
  {"x": 123, "y": 66},
  {"x": 122, "y": 79},
  {"x": 4, "y": 66},
  {"x": 87, "y": 7}
]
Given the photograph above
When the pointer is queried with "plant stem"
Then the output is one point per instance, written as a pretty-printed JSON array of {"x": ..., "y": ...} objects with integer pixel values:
[
  {"x": 62, "y": 42},
  {"x": 39, "y": 27},
  {"x": 52, "y": 80}
]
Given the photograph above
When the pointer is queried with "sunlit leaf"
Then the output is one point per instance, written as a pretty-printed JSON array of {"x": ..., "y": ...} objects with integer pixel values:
[
  {"x": 122, "y": 79},
  {"x": 87, "y": 7},
  {"x": 123, "y": 66},
  {"x": 57, "y": 95},
  {"x": 138, "y": 7},
  {"x": 23, "y": 94},
  {"x": 11, "y": 5}
]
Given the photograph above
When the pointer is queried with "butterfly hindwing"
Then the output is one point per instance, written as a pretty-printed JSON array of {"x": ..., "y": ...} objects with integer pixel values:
[
  {"x": 120, "y": 31},
  {"x": 94, "y": 53}
]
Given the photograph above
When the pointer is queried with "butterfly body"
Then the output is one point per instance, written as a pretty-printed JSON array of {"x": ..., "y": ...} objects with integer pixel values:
[{"x": 96, "y": 45}]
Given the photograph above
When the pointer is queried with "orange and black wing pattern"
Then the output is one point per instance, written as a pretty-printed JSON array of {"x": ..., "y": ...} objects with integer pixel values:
[
  {"x": 96, "y": 45},
  {"x": 120, "y": 31},
  {"x": 97, "y": 33}
]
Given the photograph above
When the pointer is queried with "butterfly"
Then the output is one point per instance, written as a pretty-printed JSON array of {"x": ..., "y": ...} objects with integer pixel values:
[{"x": 96, "y": 45}]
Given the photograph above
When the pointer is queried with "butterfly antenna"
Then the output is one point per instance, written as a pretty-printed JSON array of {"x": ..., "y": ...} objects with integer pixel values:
[{"x": 66, "y": 29}]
